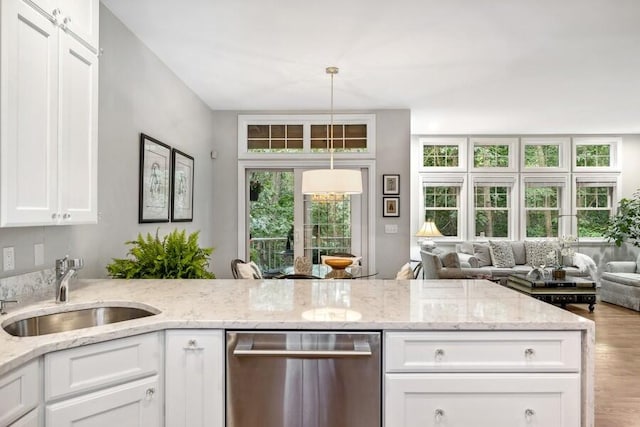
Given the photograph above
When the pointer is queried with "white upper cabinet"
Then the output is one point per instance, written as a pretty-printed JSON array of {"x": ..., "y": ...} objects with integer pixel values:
[
  {"x": 48, "y": 120},
  {"x": 79, "y": 17}
]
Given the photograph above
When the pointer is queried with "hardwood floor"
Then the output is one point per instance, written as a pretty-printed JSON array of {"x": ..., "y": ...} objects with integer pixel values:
[{"x": 617, "y": 379}]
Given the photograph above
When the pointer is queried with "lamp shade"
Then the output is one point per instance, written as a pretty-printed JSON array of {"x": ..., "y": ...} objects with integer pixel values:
[
  {"x": 428, "y": 229},
  {"x": 331, "y": 181}
]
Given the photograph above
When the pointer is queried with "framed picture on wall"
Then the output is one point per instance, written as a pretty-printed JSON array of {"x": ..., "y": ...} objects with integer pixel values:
[
  {"x": 391, "y": 184},
  {"x": 154, "y": 181},
  {"x": 390, "y": 206},
  {"x": 181, "y": 187}
]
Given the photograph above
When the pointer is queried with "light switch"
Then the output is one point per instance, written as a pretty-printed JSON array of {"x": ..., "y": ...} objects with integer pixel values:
[
  {"x": 8, "y": 258},
  {"x": 391, "y": 228}
]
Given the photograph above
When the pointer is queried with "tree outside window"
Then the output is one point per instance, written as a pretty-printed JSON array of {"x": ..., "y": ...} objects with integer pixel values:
[
  {"x": 594, "y": 208},
  {"x": 593, "y": 155},
  {"x": 491, "y": 156},
  {"x": 440, "y": 155},
  {"x": 542, "y": 210},
  {"x": 492, "y": 211},
  {"x": 541, "y": 156}
]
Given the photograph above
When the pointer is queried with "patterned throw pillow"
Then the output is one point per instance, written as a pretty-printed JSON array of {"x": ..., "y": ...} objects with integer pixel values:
[
  {"x": 501, "y": 254},
  {"x": 538, "y": 252}
]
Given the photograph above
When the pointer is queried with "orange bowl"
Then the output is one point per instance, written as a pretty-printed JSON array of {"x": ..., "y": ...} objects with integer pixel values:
[{"x": 338, "y": 263}]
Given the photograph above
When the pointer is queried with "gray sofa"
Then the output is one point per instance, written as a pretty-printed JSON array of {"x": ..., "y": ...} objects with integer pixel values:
[
  {"x": 475, "y": 261},
  {"x": 620, "y": 283}
]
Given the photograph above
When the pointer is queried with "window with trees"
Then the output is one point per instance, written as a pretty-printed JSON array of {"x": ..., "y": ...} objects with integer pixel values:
[
  {"x": 441, "y": 204},
  {"x": 491, "y": 206},
  {"x": 594, "y": 207},
  {"x": 493, "y": 154},
  {"x": 542, "y": 210}
]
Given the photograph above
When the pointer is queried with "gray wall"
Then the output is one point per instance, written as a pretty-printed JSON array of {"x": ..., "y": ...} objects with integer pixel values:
[
  {"x": 138, "y": 93},
  {"x": 392, "y": 147}
]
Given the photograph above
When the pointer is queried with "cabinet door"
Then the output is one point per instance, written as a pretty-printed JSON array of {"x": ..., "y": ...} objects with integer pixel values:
[
  {"x": 29, "y": 116},
  {"x": 32, "y": 419},
  {"x": 194, "y": 378},
  {"x": 78, "y": 146},
  {"x": 482, "y": 400},
  {"x": 81, "y": 17},
  {"x": 20, "y": 391},
  {"x": 134, "y": 404}
]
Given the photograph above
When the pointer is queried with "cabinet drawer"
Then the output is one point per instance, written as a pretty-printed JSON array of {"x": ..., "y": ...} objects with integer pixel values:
[
  {"x": 19, "y": 391},
  {"x": 99, "y": 365},
  {"x": 32, "y": 419},
  {"x": 133, "y": 404},
  {"x": 483, "y": 351},
  {"x": 482, "y": 400}
]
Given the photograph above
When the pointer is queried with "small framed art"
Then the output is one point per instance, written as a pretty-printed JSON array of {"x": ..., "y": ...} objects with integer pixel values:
[
  {"x": 154, "y": 181},
  {"x": 390, "y": 206},
  {"x": 391, "y": 184},
  {"x": 181, "y": 187}
]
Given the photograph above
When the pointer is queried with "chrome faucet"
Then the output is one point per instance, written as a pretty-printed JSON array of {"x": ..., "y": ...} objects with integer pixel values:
[{"x": 65, "y": 270}]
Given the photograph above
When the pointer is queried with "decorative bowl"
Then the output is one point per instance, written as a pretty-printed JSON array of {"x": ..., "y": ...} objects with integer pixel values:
[{"x": 338, "y": 263}]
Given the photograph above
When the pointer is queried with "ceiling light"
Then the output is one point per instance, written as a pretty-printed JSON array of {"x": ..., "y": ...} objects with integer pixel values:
[{"x": 331, "y": 181}]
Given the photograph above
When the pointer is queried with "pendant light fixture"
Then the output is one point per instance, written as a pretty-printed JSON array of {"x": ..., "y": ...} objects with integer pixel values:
[{"x": 331, "y": 181}]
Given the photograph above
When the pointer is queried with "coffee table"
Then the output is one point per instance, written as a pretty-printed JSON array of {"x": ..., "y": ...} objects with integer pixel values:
[{"x": 570, "y": 290}]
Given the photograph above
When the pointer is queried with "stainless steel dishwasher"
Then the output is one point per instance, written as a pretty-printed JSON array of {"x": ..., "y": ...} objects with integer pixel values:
[{"x": 303, "y": 379}]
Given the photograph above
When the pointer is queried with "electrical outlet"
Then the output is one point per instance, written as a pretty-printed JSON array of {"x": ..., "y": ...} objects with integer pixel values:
[{"x": 8, "y": 258}]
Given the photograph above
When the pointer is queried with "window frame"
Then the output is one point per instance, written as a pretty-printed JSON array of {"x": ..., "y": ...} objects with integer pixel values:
[
  {"x": 445, "y": 180},
  {"x": 561, "y": 180},
  {"x": 564, "y": 154},
  {"x": 306, "y": 120},
  {"x": 462, "y": 144},
  {"x": 605, "y": 180},
  {"x": 511, "y": 142},
  {"x": 615, "y": 144},
  {"x": 493, "y": 180}
]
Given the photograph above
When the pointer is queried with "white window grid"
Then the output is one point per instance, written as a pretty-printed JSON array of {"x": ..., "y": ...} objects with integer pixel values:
[
  {"x": 460, "y": 143},
  {"x": 614, "y": 143},
  {"x": 512, "y": 156},
  {"x": 445, "y": 180},
  {"x": 563, "y": 145}
]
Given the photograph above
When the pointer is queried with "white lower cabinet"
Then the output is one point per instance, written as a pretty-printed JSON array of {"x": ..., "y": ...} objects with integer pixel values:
[
  {"x": 113, "y": 383},
  {"x": 482, "y": 379},
  {"x": 32, "y": 419},
  {"x": 20, "y": 392},
  {"x": 194, "y": 378}
]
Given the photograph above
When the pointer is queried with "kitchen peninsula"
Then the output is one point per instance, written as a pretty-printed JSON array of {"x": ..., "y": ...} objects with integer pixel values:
[{"x": 470, "y": 336}]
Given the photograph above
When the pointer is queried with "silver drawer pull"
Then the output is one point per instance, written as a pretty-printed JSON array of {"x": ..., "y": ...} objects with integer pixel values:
[
  {"x": 150, "y": 392},
  {"x": 192, "y": 345},
  {"x": 439, "y": 354},
  {"x": 528, "y": 413},
  {"x": 529, "y": 353},
  {"x": 438, "y": 414}
]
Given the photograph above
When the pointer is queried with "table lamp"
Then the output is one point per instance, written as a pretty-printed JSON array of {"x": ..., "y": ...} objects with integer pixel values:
[{"x": 428, "y": 230}]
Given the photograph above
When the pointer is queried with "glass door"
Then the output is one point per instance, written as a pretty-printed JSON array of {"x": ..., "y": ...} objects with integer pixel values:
[{"x": 284, "y": 224}]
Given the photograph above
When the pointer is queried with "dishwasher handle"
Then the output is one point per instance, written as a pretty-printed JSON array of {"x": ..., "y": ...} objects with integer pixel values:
[{"x": 244, "y": 347}]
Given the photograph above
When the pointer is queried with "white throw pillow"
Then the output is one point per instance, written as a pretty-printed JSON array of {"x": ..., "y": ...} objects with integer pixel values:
[
  {"x": 405, "y": 273},
  {"x": 249, "y": 271}
]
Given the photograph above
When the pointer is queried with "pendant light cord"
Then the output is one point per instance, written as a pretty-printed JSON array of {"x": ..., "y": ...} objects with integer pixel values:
[{"x": 333, "y": 71}]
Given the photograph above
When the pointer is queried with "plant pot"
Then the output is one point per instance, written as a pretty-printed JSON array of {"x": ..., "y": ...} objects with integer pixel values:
[{"x": 559, "y": 274}]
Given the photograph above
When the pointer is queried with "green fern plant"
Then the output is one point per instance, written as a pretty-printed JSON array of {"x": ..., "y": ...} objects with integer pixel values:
[{"x": 176, "y": 256}]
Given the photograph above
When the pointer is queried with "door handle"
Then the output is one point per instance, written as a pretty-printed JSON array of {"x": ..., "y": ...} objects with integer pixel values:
[{"x": 244, "y": 347}]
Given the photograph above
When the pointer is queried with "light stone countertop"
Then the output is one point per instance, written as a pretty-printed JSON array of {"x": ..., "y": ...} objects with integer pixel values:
[{"x": 291, "y": 304}]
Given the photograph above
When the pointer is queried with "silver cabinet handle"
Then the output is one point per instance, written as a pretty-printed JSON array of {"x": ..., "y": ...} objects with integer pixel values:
[
  {"x": 67, "y": 20},
  {"x": 529, "y": 353},
  {"x": 66, "y": 216},
  {"x": 150, "y": 392},
  {"x": 528, "y": 413},
  {"x": 192, "y": 345},
  {"x": 438, "y": 414},
  {"x": 439, "y": 354}
]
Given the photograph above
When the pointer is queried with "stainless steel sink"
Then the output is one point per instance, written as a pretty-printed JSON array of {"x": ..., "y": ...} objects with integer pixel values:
[{"x": 71, "y": 320}]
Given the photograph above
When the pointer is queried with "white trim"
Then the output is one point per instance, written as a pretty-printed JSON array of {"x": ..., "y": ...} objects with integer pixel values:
[
  {"x": 462, "y": 153},
  {"x": 491, "y": 180},
  {"x": 564, "y": 153},
  {"x": 613, "y": 180},
  {"x": 513, "y": 145},
  {"x": 444, "y": 180},
  {"x": 616, "y": 150},
  {"x": 306, "y": 120}
]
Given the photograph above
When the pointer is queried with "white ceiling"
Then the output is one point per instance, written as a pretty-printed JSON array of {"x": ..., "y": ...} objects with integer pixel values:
[{"x": 461, "y": 66}]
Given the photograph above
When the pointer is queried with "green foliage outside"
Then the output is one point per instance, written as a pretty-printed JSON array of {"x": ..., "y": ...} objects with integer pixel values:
[
  {"x": 625, "y": 225},
  {"x": 272, "y": 214},
  {"x": 176, "y": 256}
]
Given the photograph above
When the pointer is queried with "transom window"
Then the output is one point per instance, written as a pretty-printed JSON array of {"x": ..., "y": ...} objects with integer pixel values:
[
  {"x": 345, "y": 138},
  {"x": 491, "y": 156},
  {"x": 274, "y": 138},
  {"x": 595, "y": 155},
  {"x": 541, "y": 156},
  {"x": 440, "y": 155}
]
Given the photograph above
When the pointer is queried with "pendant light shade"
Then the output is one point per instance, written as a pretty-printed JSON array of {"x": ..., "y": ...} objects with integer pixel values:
[{"x": 331, "y": 181}]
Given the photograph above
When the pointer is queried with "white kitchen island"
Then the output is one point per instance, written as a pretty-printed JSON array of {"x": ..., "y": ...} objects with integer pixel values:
[{"x": 461, "y": 339}]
